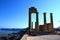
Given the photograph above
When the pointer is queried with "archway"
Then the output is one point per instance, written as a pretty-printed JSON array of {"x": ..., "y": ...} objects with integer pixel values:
[
  {"x": 33, "y": 19},
  {"x": 33, "y": 10}
]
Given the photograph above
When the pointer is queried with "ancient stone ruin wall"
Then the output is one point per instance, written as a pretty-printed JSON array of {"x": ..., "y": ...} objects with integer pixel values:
[{"x": 44, "y": 28}]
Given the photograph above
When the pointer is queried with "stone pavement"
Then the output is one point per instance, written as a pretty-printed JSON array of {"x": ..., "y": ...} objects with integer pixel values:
[{"x": 43, "y": 37}]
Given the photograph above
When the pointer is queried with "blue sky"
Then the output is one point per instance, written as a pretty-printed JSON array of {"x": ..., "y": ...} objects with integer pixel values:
[{"x": 14, "y": 13}]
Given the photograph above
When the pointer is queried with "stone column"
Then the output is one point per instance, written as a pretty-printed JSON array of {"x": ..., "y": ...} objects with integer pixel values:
[
  {"x": 29, "y": 23},
  {"x": 32, "y": 25},
  {"x": 51, "y": 19},
  {"x": 37, "y": 22},
  {"x": 35, "y": 26},
  {"x": 45, "y": 25}
]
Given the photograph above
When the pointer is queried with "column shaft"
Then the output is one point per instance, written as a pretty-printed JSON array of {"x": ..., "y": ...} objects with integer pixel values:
[
  {"x": 29, "y": 23},
  {"x": 35, "y": 26},
  {"x": 51, "y": 19},
  {"x": 45, "y": 25},
  {"x": 37, "y": 22},
  {"x": 32, "y": 25}
]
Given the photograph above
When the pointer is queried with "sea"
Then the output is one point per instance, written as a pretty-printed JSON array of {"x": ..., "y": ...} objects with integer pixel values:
[{"x": 8, "y": 31}]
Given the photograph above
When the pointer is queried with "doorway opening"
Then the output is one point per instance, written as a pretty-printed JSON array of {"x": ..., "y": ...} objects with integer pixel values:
[{"x": 33, "y": 20}]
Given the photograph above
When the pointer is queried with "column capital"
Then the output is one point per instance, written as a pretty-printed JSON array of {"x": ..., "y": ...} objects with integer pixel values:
[{"x": 44, "y": 13}]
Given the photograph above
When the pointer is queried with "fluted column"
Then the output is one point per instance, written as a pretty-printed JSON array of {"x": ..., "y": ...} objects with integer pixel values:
[{"x": 45, "y": 25}]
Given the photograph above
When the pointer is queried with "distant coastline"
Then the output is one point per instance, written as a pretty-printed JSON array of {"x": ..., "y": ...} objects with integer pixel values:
[
  {"x": 8, "y": 31},
  {"x": 11, "y": 34}
]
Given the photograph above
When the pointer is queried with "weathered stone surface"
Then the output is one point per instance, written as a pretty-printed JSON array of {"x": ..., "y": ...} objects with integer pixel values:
[{"x": 44, "y": 37}]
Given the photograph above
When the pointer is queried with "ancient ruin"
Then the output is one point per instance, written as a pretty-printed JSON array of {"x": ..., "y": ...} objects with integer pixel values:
[{"x": 47, "y": 27}]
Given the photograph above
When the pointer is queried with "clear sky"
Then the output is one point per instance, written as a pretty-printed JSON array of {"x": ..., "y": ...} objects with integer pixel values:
[{"x": 14, "y": 13}]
